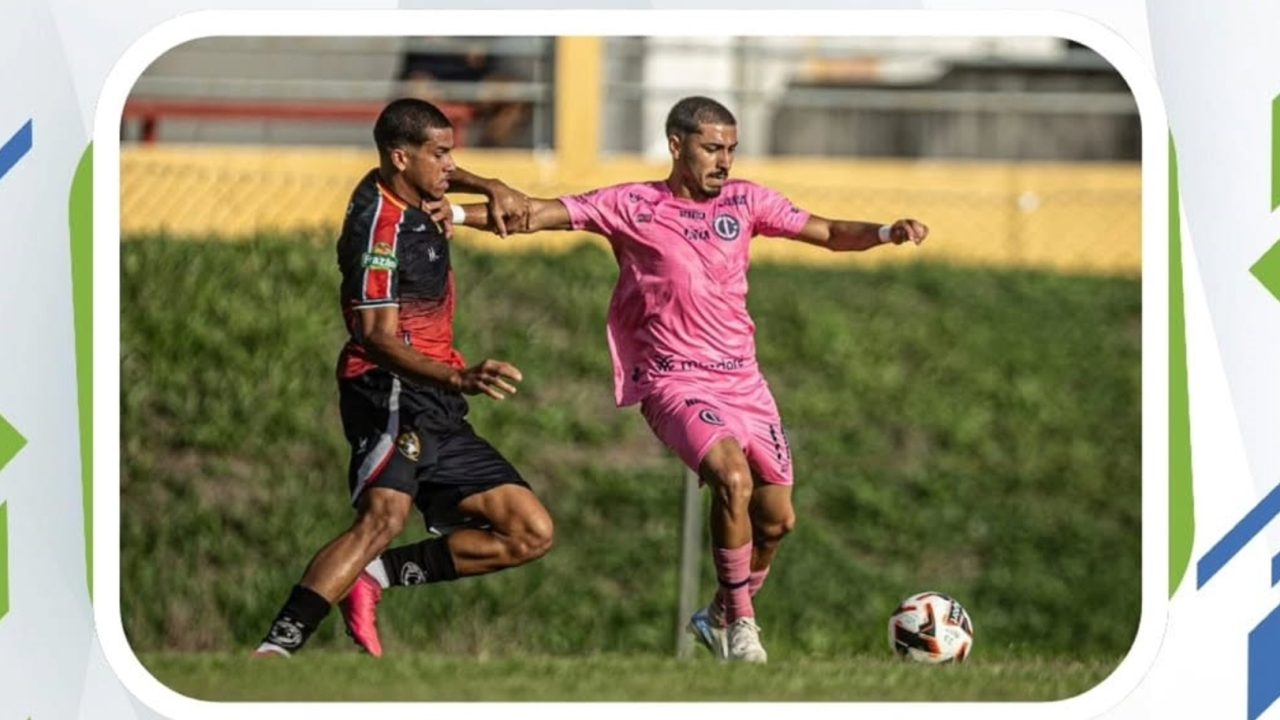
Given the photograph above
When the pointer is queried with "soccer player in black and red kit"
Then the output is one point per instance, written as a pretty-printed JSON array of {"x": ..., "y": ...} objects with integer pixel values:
[{"x": 402, "y": 385}]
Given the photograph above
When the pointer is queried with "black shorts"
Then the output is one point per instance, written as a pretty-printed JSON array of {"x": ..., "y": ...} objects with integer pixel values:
[{"x": 416, "y": 439}]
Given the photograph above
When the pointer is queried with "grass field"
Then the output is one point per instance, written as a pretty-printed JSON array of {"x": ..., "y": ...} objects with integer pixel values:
[
  {"x": 975, "y": 432},
  {"x": 421, "y": 677}
]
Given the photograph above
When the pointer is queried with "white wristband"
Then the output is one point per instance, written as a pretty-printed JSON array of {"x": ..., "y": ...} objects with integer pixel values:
[
  {"x": 459, "y": 214},
  {"x": 886, "y": 233}
]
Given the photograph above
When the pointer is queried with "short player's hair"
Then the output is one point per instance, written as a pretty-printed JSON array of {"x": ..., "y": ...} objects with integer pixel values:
[
  {"x": 406, "y": 122},
  {"x": 689, "y": 113}
]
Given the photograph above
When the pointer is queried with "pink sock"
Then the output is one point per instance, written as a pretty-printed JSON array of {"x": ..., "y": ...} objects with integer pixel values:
[
  {"x": 733, "y": 569},
  {"x": 757, "y": 580},
  {"x": 754, "y": 583}
]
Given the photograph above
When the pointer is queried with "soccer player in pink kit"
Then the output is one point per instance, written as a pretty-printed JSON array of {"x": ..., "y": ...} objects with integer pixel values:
[{"x": 683, "y": 344}]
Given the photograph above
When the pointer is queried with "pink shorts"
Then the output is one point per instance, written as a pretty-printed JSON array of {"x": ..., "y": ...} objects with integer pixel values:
[{"x": 689, "y": 418}]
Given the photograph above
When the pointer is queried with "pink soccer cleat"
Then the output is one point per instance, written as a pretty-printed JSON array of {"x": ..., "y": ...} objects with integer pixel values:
[{"x": 360, "y": 613}]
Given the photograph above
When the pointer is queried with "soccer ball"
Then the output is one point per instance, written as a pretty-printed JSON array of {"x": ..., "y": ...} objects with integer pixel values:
[{"x": 930, "y": 627}]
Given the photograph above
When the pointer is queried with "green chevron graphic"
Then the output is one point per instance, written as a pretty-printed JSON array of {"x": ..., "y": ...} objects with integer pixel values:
[
  {"x": 1275, "y": 153},
  {"x": 80, "y": 221},
  {"x": 4, "y": 560},
  {"x": 1267, "y": 269},
  {"x": 1182, "y": 519},
  {"x": 11, "y": 441}
]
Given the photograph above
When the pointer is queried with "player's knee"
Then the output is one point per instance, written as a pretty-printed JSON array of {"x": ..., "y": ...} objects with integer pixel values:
[
  {"x": 379, "y": 527},
  {"x": 534, "y": 540},
  {"x": 788, "y": 525},
  {"x": 771, "y": 533},
  {"x": 734, "y": 486}
]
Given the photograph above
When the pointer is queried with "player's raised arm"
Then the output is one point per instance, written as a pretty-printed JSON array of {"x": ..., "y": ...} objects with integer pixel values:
[
  {"x": 507, "y": 205},
  {"x": 845, "y": 235},
  {"x": 543, "y": 214}
]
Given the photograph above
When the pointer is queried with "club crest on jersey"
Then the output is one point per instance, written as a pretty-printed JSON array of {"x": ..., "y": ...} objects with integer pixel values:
[
  {"x": 727, "y": 227},
  {"x": 410, "y": 446},
  {"x": 710, "y": 417}
]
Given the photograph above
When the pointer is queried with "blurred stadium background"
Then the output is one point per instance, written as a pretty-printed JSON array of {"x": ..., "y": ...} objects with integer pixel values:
[
  {"x": 1025, "y": 148},
  {"x": 966, "y": 418}
]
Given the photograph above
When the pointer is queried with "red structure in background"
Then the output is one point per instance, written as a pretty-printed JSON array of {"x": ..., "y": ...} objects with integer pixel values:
[{"x": 150, "y": 113}]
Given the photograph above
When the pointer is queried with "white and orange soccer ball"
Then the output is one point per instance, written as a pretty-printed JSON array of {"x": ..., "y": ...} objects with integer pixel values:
[{"x": 930, "y": 627}]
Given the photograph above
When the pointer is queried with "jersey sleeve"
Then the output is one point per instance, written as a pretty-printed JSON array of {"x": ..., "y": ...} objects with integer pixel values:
[
  {"x": 596, "y": 211},
  {"x": 774, "y": 215},
  {"x": 375, "y": 280}
]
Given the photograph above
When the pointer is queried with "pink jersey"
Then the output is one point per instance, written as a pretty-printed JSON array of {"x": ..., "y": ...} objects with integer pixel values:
[{"x": 679, "y": 309}]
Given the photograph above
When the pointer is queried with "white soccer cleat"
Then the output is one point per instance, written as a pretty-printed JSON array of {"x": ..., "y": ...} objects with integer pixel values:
[
  {"x": 707, "y": 627},
  {"x": 744, "y": 642},
  {"x": 271, "y": 650}
]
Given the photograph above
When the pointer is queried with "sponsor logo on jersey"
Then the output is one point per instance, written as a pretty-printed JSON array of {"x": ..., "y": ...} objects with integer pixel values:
[
  {"x": 382, "y": 257},
  {"x": 697, "y": 234},
  {"x": 734, "y": 201},
  {"x": 693, "y": 214},
  {"x": 729, "y": 363},
  {"x": 690, "y": 402},
  {"x": 727, "y": 227},
  {"x": 644, "y": 218}
]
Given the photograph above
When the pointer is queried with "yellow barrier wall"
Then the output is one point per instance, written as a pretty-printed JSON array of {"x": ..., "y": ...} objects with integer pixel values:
[{"x": 1071, "y": 218}]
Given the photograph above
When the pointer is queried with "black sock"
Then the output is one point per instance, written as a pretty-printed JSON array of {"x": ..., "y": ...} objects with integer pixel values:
[
  {"x": 428, "y": 561},
  {"x": 300, "y": 616}
]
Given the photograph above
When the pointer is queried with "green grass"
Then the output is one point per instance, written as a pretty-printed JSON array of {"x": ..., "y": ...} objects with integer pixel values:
[
  {"x": 421, "y": 677},
  {"x": 975, "y": 432}
]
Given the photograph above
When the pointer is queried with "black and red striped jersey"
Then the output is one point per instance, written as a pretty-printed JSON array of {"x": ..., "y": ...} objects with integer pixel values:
[{"x": 392, "y": 254}]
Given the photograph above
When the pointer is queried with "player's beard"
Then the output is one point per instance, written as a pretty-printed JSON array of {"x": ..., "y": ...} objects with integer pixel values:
[{"x": 710, "y": 190}]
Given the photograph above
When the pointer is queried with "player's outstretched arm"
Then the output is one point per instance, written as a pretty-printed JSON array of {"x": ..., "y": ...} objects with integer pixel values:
[
  {"x": 381, "y": 337},
  {"x": 507, "y": 205},
  {"x": 544, "y": 214},
  {"x": 846, "y": 235}
]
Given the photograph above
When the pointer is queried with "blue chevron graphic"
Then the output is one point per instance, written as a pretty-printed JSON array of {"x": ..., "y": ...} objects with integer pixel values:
[{"x": 15, "y": 148}]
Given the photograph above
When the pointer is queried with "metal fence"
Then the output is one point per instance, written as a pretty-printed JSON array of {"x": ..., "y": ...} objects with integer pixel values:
[
  {"x": 328, "y": 90},
  {"x": 975, "y": 98}
]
